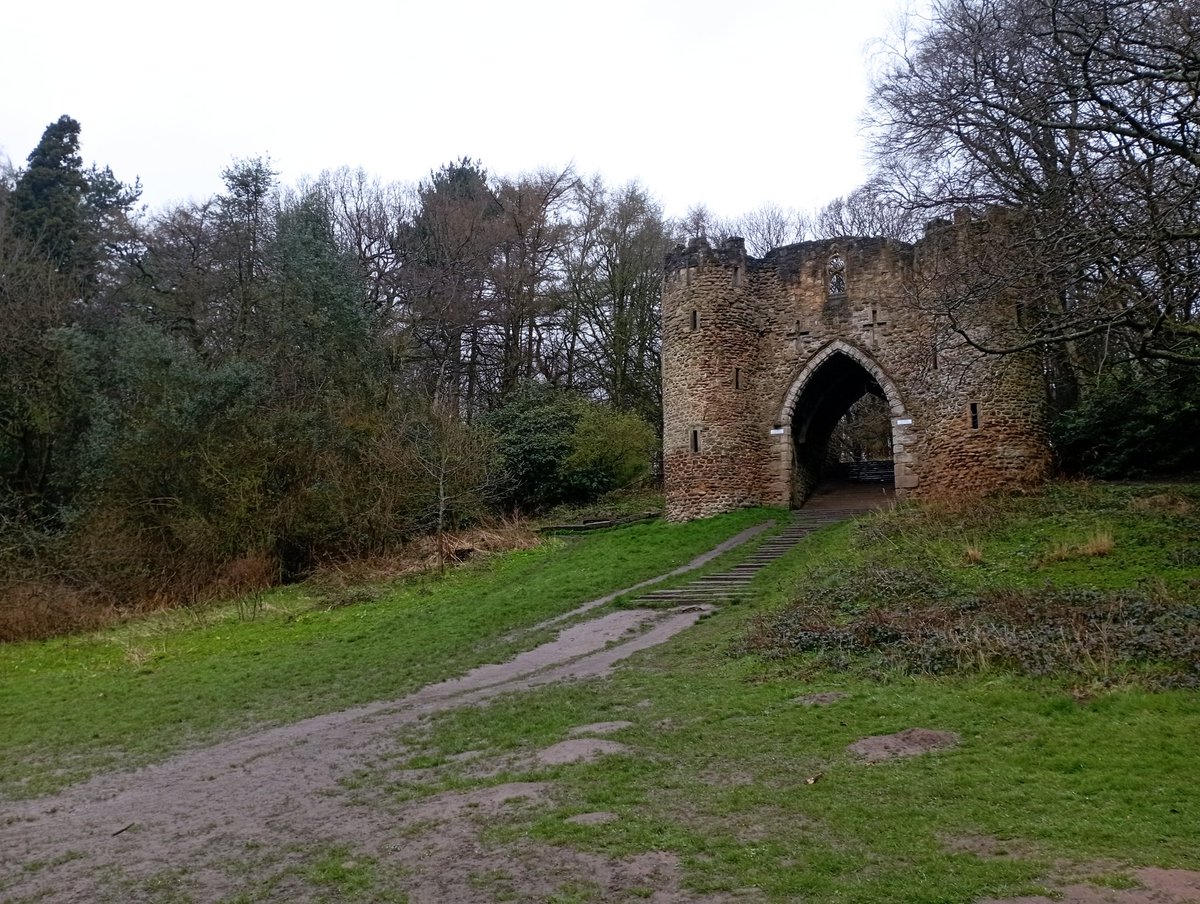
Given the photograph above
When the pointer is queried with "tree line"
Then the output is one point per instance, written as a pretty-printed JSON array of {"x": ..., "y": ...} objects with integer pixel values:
[
  {"x": 242, "y": 387},
  {"x": 277, "y": 376}
]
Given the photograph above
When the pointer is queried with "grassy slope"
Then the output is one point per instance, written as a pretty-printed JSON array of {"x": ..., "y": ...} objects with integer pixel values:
[
  {"x": 71, "y": 706},
  {"x": 723, "y": 753},
  {"x": 1019, "y": 537}
]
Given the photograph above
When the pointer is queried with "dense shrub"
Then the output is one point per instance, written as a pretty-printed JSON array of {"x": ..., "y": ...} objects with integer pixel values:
[
  {"x": 1134, "y": 422},
  {"x": 555, "y": 447},
  {"x": 881, "y": 620},
  {"x": 613, "y": 447}
]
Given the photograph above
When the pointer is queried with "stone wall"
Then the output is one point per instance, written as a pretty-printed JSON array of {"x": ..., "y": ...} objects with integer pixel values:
[
  {"x": 758, "y": 351},
  {"x": 713, "y": 460}
]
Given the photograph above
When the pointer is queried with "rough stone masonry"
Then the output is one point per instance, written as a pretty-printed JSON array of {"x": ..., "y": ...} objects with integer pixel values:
[{"x": 762, "y": 357}]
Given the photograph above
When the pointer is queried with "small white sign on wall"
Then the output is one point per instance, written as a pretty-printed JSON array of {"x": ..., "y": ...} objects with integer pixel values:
[
  {"x": 903, "y": 421},
  {"x": 777, "y": 431}
]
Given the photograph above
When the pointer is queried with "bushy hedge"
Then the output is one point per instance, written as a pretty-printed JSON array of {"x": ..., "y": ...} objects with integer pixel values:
[
  {"x": 1135, "y": 421},
  {"x": 555, "y": 446}
]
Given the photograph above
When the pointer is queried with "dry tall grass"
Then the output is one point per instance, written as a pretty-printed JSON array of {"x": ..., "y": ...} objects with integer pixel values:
[
  {"x": 420, "y": 555},
  {"x": 35, "y": 607},
  {"x": 1171, "y": 503},
  {"x": 1099, "y": 543}
]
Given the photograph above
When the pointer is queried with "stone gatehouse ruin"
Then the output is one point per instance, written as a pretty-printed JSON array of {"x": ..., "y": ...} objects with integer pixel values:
[{"x": 764, "y": 360}]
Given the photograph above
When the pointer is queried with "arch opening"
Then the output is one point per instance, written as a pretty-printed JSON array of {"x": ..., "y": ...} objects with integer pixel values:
[{"x": 841, "y": 412}]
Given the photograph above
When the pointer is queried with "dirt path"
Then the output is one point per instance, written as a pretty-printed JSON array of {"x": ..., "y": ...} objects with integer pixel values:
[{"x": 186, "y": 829}]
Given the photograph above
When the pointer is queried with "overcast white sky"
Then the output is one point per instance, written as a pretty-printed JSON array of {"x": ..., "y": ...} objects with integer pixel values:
[{"x": 731, "y": 104}]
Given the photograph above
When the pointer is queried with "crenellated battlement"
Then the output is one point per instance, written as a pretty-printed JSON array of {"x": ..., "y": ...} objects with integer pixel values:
[{"x": 699, "y": 253}]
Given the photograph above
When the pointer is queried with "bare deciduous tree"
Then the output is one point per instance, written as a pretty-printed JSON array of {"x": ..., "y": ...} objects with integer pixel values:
[
  {"x": 871, "y": 210},
  {"x": 456, "y": 460},
  {"x": 610, "y": 294},
  {"x": 770, "y": 226},
  {"x": 1068, "y": 129}
]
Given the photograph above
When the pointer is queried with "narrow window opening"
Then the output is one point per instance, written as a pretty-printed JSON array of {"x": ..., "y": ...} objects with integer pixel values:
[
  {"x": 695, "y": 320},
  {"x": 737, "y": 276},
  {"x": 1021, "y": 316},
  {"x": 836, "y": 272},
  {"x": 737, "y": 378},
  {"x": 934, "y": 357},
  {"x": 695, "y": 441},
  {"x": 974, "y": 415}
]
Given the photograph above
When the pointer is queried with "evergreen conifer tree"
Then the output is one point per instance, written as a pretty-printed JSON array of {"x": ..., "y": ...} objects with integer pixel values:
[{"x": 46, "y": 203}]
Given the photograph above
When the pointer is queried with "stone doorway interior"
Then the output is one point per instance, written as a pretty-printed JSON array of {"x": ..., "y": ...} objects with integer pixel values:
[{"x": 842, "y": 433}]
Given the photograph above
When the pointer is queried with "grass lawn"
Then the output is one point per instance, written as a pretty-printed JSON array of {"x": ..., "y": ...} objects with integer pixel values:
[
  {"x": 1081, "y": 764},
  {"x": 1062, "y": 774},
  {"x": 135, "y": 693}
]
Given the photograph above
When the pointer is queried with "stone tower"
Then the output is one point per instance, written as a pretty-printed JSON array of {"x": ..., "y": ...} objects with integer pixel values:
[{"x": 761, "y": 358}]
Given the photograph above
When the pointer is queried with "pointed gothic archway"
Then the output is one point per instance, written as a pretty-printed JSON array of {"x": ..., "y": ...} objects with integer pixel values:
[{"x": 825, "y": 389}]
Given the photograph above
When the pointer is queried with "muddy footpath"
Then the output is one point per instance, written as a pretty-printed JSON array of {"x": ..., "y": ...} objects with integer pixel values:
[{"x": 207, "y": 824}]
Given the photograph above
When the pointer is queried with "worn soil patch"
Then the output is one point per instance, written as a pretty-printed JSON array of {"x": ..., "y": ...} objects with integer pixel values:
[
  {"x": 910, "y": 742},
  {"x": 599, "y": 728},
  {"x": 1156, "y": 886},
  {"x": 578, "y": 750},
  {"x": 824, "y": 698},
  {"x": 592, "y": 819},
  {"x": 440, "y": 842},
  {"x": 487, "y": 800},
  {"x": 724, "y": 778},
  {"x": 987, "y": 847}
]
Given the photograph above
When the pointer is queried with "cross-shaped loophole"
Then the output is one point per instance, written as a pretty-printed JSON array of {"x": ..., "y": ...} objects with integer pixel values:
[
  {"x": 796, "y": 332},
  {"x": 874, "y": 324}
]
